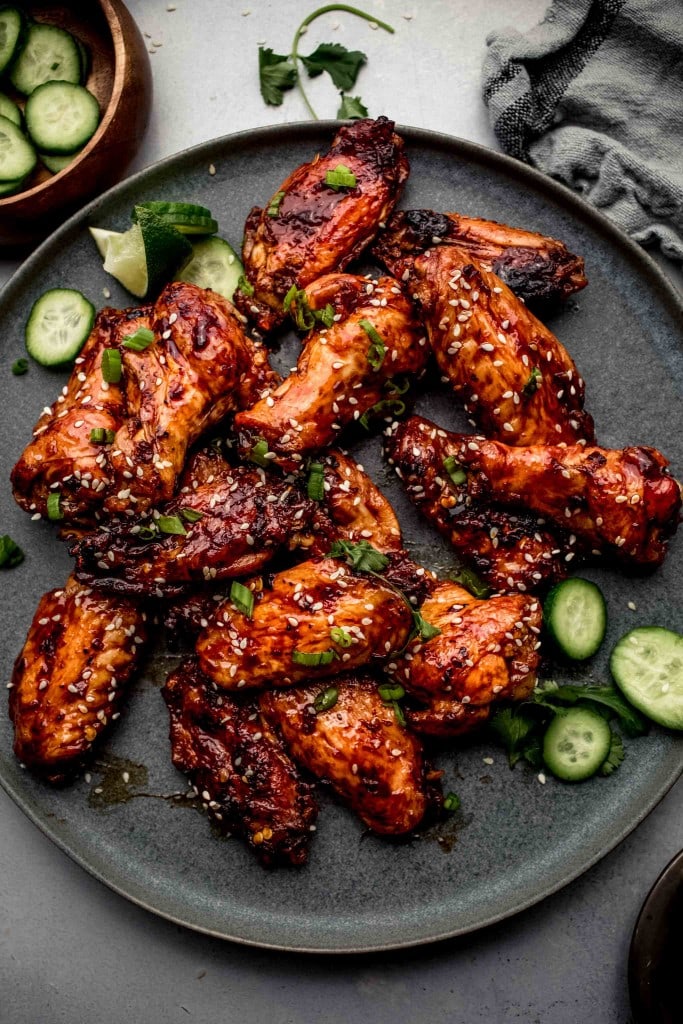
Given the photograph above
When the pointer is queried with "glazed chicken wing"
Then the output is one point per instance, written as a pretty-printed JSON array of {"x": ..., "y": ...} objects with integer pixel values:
[
  {"x": 239, "y": 767},
  {"x": 514, "y": 377},
  {"x": 342, "y": 370},
  {"x": 310, "y": 227},
  {"x": 532, "y": 265},
  {"x": 68, "y": 680},
  {"x": 224, "y": 523},
  {"x": 508, "y": 550},
  {"x": 309, "y": 622},
  {"x": 358, "y": 746},
  {"x": 485, "y": 651},
  {"x": 621, "y": 503}
]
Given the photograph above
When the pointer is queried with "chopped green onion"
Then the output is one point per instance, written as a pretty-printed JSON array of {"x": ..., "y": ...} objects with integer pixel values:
[
  {"x": 326, "y": 315},
  {"x": 20, "y": 367},
  {"x": 258, "y": 453},
  {"x": 390, "y": 692},
  {"x": 139, "y": 340},
  {"x": 456, "y": 472},
  {"x": 388, "y": 406},
  {"x": 99, "y": 435},
  {"x": 147, "y": 533},
  {"x": 340, "y": 637},
  {"x": 190, "y": 515},
  {"x": 398, "y": 385},
  {"x": 303, "y": 315},
  {"x": 242, "y": 598},
  {"x": 316, "y": 482},
  {"x": 171, "y": 524},
  {"x": 313, "y": 658},
  {"x": 10, "y": 552},
  {"x": 340, "y": 177},
  {"x": 468, "y": 579},
  {"x": 451, "y": 802},
  {"x": 533, "y": 383},
  {"x": 326, "y": 699},
  {"x": 274, "y": 204},
  {"x": 398, "y": 713},
  {"x": 378, "y": 349},
  {"x": 111, "y": 365},
  {"x": 244, "y": 286},
  {"x": 54, "y": 510}
]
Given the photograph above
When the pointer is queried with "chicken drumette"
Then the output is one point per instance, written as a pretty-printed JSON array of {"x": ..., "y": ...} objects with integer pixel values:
[
  {"x": 68, "y": 680},
  {"x": 533, "y": 266},
  {"x": 311, "y": 227},
  {"x": 341, "y": 372}
]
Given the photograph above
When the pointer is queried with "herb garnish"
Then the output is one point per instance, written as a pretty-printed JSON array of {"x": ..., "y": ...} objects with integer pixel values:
[
  {"x": 455, "y": 470},
  {"x": 242, "y": 598},
  {"x": 139, "y": 340},
  {"x": 111, "y": 366},
  {"x": 533, "y": 383},
  {"x": 468, "y": 579},
  {"x": 259, "y": 452},
  {"x": 273, "y": 209},
  {"x": 171, "y": 525},
  {"x": 377, "y": 350},
  {"x": 100, "y": 435},
  {"x": 279, "y": 72},
  {"x": 20, "y": 367},
  {"x": 316, "y": 482},
  {"x": 326, "y": 699},
  {"x": 340, "y": 177},
  {"x": 10, "y": 552},
  {"x": 340, "y": 637},
  {"x": 313, "y": 658},
  {"x": 244, "y": 286},
  {"x": 451, "y": 803},
  {"x": 54, "y": 507},
  {"x": 296, "y": 304}
]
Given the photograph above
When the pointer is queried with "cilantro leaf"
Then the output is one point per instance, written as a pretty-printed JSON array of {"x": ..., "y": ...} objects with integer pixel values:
[
  {"x": 342, "y": 65},
  {"x": 514, "y": 727},
  {"x": 615, "y": 756},
  {"x": 424, "y": 629},
  {"x": 551, "y": 695},
  {"x": 469, "y": 579},
  {"x": 361, "y": 556},
  {"x": 351, "y": 107},
  {"x": 277, "y": 73}
]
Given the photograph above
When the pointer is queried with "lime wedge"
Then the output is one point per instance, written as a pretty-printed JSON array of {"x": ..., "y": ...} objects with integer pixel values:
[
  {"x": 101, "y": 238},
  {"x": 144, "y": 258}
]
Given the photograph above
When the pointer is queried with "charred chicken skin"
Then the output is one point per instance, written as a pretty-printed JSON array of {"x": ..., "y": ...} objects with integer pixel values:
[
  {"x": 515, "y": 378},
  {"x": 240, "y": 768},
  {"x": 373, "y": 763},
  {"x": 341, "y": 372},
  {"x": 310, "y": 227},
  {"x": 309, "y": 622},
  {"x": 509, "y": 550},
  {"x": 225, "y": 522},
  {"x": 533, "y": 266},
  {"x": 81, "y": 650},
  {"x": 200, "y": 366}
]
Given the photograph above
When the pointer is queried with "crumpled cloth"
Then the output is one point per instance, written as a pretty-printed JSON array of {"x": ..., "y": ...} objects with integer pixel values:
[{"x": 593, "y": 96}]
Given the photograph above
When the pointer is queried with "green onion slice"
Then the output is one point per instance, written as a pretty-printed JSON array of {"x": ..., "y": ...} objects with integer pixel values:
[
  {"x": 171, "y": 524},
  {"x": 312, "y": 659},
  {"x": 326, "y": 315},
  {"x": 99, "y": 435},
  {"x": 258, "y": 453},
  {"x": 390, "y": 692},
  {"x": 244, "y": 286},
  {"x": 533, "y": 383},
  {"x": 456, "y": 472},
  {"x": 20, "y": 367},
  {"x": 326, "y": 699},
  {"x": 340, "y": 637},
  {"x": 377, "y": 349},
  {"x": 316, "y": 482},
  {"x": 10, "y": 552},
  {"x": 190, "y": 515},
  {"x": 398, "y": 713},
  {"x": 139, "y": 340},
  {"x": 451, "y": 802},
  {"x": 147, "y": 533},
  {"x": 54, "y": 510},
  {"x": 242, "y": 598},
  {"x": 340, "y": 177},
  {"x": 274, "y": 204},
  {"x": 111, "y": 365}
]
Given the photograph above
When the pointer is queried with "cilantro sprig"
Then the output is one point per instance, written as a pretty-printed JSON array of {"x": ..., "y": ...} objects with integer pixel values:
[{"x": 279, "y": 72}]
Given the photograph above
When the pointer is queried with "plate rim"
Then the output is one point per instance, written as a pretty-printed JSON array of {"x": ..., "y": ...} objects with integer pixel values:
[{"x": 575, "y": 206}]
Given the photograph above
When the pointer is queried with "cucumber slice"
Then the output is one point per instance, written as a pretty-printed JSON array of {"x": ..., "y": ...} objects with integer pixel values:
[
  {"x": 58, "y": 326},
  {"x": 10, "y": 110},
  {"x": 17, "y": 155},
  {"x": 61, "y": 117},
  {"x": 177, "y": 209},
  {"x": 12, "y": 27},
  {"x": 647, "y": 665},
  {"x": 49, "y": 54},
  {"x": 575, "y": 615},
  {"x": 85, "y": 59},
  {"x": 185, "y": 217},
  {"x": 576, "y": 744},
  {"x": 56, "y": 162},
  {"x": 214, "y": 264},
  {"x": 146, "y": 257},
  {"x": 8, "y": 188}
]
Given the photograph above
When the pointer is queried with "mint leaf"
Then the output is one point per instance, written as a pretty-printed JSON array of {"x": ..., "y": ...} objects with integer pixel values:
[
  {"x": 351, "y": 107},
  {"x": 615, "y": 756},
  {"x": 276, "y": 74},
  {"x": 342, "y": 65}
]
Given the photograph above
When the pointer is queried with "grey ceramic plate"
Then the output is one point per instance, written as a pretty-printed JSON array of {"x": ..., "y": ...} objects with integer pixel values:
[{"x": 515, "y": 840}]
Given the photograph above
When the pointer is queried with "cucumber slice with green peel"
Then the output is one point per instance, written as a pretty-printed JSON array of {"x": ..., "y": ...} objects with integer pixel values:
[
  {"x": 576, "y": 744},
  {"x": 17, "y": 156},
  {"x": 56, "y": 162},
  {"x": 49, "y": 54},
  {"x": 58, "y": 326},
  {"x": 647, "y": 665},
  {"x": 84, "y": 54},
  {"x": 8, "y": 188},
  {"x": 187, "y": 218},
  {"x": 147, "y": 256},
  {"x": 12, "y": 31},
  {"x": 214, "y": 264},
  {"x": 575, "y": 615},
  {"x": 10, "y": 110},
  {"x": 178, "y": 209},
  {"x": 61, "y": 117}
]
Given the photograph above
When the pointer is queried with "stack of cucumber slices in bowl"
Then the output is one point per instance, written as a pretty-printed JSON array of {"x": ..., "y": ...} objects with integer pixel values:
[{"x": 46, "y": 114}]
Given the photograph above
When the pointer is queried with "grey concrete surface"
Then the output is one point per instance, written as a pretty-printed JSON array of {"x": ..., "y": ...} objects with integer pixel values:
[{"x": 72, "y": 951}]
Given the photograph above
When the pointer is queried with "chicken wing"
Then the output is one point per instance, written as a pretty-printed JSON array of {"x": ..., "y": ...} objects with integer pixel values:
[
  {"x": 309, "y": 622},
  {"x": 310, "y": 227},
  {"x": 621, "y": 503},
  {"x": 81, "y": 650},
  {"x": 341, "y": 371},
  {"x": 508, "y": 550},
  {"x": 239, "y": 767},
  {"x": 532, "y": 265},
  {"x": 224, "y": 523},
  {"x": 358, "y": 746}
]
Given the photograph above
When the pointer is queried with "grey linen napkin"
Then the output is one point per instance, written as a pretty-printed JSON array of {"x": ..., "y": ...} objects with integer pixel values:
[{"x": 593, "y": 96}]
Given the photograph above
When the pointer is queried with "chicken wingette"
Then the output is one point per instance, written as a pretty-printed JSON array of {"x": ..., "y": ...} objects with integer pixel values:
[
  {"x": 314, "y": 223},
  {"x": 239, "y": 767},
  {"x": 81, "y": 650},
  {"x": 341, "y": 372}
]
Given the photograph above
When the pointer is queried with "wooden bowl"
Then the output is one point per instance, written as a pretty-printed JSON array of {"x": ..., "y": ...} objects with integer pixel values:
[{"x": 121, "y": 79}]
